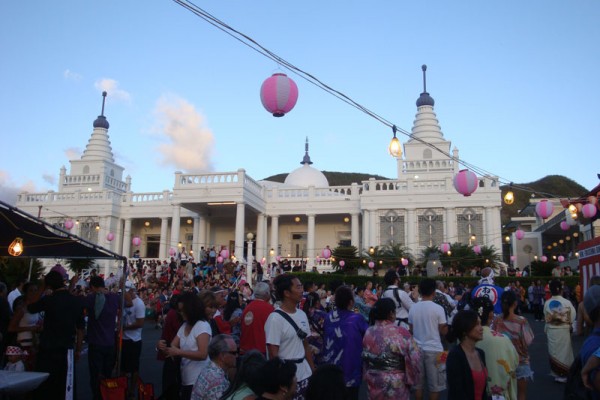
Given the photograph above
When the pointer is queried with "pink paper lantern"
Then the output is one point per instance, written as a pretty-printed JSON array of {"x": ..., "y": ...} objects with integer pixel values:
[
  {"x": 371, "y": 264},
  {"x": 326, "y": 253},
  {"x": 342, "y": 263},
  {"x": 172, "y": 251},
  {"x": 519, "y": 234},
  {"x": 544, "y": 209},
  {"x": 110, "y": 236},
  {"x": 477, "y": 249},
  {"x": 466, "y": 182},
  {"x": 405, "y": 261},
  {"x": 69, "y": 224},
  {"x": 564, "y": 226},
  {"x": 263, "y": 261},
  {"x": 136, "y": 241},
  {"x": 278, "y": 258},
  {"x": 219, "y": 259},
  {"x": 561, "y": 258},
  {"x": 513, "y": 258},
  {"x": 279, "y": 94},
  {"x": 589, "y": 210},
  {"x": 224, "y": 253},
  {"x": 544, "y": 258},
  {"x": 445, "y": 247}
]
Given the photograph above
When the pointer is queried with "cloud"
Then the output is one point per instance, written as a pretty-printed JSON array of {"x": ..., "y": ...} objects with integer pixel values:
[
  {"x": 9, "y": 189},
  {"x": 73, "y": 153},
  {"x": 112, "y": 88},
  {"x": 189, "y": 143},
  {"x": 71, "y": 76},
  {"x": 48, "y": 178}
]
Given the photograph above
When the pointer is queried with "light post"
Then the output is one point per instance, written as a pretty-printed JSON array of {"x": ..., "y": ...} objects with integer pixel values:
[{"x": 249, "y": 259}]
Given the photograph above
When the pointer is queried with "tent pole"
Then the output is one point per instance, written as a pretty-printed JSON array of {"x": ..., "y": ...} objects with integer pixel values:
[
  {"x": 30, "y": 266},
  {"x": 120, "y": 336}
]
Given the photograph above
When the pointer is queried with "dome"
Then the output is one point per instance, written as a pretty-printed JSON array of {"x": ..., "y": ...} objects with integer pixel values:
[
  {"x": 425, "y": 100},
  {"x": 101, "y": 122},
  {"x": 306, "y": 176}
]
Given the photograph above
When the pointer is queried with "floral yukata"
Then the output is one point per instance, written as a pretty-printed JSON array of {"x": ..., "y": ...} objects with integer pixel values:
[{"x": 391, "y": 361}]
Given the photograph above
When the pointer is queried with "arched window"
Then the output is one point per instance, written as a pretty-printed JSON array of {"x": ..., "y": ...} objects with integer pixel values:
[
  {"x": 427, "y": 154},
  {"x": 86, "y": 170}
]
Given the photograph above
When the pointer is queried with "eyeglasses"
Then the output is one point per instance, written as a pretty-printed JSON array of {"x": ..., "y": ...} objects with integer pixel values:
[{"x": 235, "y": 353}]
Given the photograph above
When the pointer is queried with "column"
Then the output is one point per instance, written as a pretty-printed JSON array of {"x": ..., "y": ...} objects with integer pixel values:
[
  {"x": 127, "y": 238},
  {"x": 411, "y": 239},
  {"x": 450, "y": 222},
  {"x": 274, "y": 237},
  {"x": 202, "y": 232},
  {"x": 249, "y": 260},
  {"x": 354, "y": 226},
  {"x": 175, "y": 226},
  {"x": 260, "y": 237},
  {"x": 365, "y": 236},
  {"x": 488, "y": 227},
  {"x": 373, "y": 228},
  {"x": 104, "y": 229},
  {"x": 310, "y": 245},
  {"x": 119, "y": 237},
  {"x": 163, "y": 250},
  {"x": 196, "y": 235},
  {"x": 239, "y": 230}
]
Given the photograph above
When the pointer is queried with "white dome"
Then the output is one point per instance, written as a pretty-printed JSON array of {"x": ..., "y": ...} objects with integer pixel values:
[{"x": 306, "y": 176}]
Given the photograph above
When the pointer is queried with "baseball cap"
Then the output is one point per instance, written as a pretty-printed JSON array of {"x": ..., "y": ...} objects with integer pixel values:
[{"x": 591, "y": 301}]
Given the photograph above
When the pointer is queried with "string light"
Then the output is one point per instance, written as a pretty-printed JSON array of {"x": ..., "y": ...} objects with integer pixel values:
[{"x": 15, "y": 249}]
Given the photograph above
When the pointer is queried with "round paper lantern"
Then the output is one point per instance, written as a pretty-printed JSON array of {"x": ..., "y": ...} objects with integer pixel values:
[
  {"x": 371, "y": 264},
  {"x": 69, "y": 224},
  {"x": 519, "y": 234},
  {"x": 477, "y": 249},
  {"x": 564, "y": 226},
  {"x": 263, "y": 261},
  {"x": 326, "y": 253},
  {"x": 342, "y": 263},
  {"x": 172, "y": 251},
  {"x": 279, "y": 94},
  {"x": 278, "y": 258},
  {"x": 445, "y": 247},
  {"x": 224, "y": 253},
  {"x": 136, "y": 241},
  {"x": 110, "y": 236},
  {"x": 544, "y": 258},
  {"x": 561, "y": 258},
  {"x": 219, "y": 259},
  {"x": 513, "y": 258},
  {"x": 544, "y": 209},
  {"x": 589, "y": 210},
  {"x": 405, "y": 261},
  {"x": 465, "y": 182}
]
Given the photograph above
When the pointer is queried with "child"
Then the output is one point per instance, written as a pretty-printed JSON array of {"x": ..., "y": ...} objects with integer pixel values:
[{"x": 15, "y": 355}]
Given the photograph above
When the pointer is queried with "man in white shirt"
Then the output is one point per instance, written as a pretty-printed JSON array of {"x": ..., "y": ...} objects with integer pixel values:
[
  {"x": 16, "y": 292},
  {"x": 283, "y": 340},
  {"x": 133, "y": 321},
  {"x": 400, "y": 297},
  {"x": 428, "y": 322}
]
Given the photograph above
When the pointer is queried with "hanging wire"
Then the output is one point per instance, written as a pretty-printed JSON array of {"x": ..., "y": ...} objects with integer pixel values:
[{"x": 254, "y": 45}]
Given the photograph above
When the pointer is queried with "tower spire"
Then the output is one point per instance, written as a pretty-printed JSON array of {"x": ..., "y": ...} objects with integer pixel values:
[
  {"x": 424, "y": 68},
  {"x": 101, "y": 121},
  {"x": 103, "y": 101},
  {"x": 306, "y": 159},
  {"x": 425, "y": 99}
]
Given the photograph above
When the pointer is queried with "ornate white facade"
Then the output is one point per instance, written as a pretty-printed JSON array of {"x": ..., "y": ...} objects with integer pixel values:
[{"x": 295, "y": 219}]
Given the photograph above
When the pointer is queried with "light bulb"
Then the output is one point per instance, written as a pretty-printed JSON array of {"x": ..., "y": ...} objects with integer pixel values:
[
  {"x": 509, "y": 197},
  {"x": 16, "y": 247}
]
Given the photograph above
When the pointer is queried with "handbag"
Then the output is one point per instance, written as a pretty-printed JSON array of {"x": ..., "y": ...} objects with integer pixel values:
[{"x": 301, "y": 334}]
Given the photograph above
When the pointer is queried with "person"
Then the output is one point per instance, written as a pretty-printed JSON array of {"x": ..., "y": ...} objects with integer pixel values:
[
  {"x": 316, "y": 320},
  {"x": 391, "y": 356},
  {"x": 466, "y": 371},
  {"x": 326, "y": 383},
  {"x": 359, "y": 303},
  {"x": 191, "y": 342},
  {"x": 517, "y": 329},
  {"x": 277, "y": 379},
  {"x": 16, "y": 292},
  {"x": 14, "y": 359},
  {"x": 343, "y": 336},
  {"x": 26, "y": 325},
  {"x": 501, "y": 357},
  {"x": 133, "y": 322},
  {"x": 590, "y": 372},
  {"x": 171, "y": 371},
  {"x": 102, "y": 309},
  {"x": 428, "y": 323},
  {"x": 584, "y": 323},
  {"x": 245, "y": 383},
  {"x": 286, "y": 330},
  {"x": 400, "y": 297},
  {"x": 61, "y": 338},
  {"x": 487, "y": 288},
  {"x": 254, "y": 316},
  {"x": 538, "y": 301},
  {"x": 211, "y": 381},
  {"x": 232, "y": 313},
  {"x": 369, "y": 294},
  {"x": 559, "y": 315}
]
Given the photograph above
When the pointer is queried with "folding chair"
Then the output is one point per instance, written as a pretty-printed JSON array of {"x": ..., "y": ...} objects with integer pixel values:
[{"x": 114, "y": 388}]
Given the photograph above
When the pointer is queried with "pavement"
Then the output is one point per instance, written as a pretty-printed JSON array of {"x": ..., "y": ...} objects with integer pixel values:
[{"x": 543, "y": 386}]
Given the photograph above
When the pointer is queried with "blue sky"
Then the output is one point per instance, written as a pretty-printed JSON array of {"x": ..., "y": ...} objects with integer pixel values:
[{"x": 515, "y": 83}]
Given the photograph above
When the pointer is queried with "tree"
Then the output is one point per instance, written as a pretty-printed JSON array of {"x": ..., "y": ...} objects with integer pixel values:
[
  {"x": 79, "y": 264},
  {"x": 349, "y": 254},
  {"x": 11, "y": 269}
]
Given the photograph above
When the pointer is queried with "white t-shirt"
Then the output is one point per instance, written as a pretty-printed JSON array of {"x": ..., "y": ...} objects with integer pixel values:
[
  {"x": 12, "y": 297},
  {"x": 280, "y": 332},
  {"x": 190, "y": 369},
  {"x": 425, "y": 318},
  {"x": 405, "y": 304},
  {"x": 137, "y": 310}
]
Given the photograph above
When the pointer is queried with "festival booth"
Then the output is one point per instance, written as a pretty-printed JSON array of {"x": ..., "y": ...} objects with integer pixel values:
[{"x": 589, "y": 261}]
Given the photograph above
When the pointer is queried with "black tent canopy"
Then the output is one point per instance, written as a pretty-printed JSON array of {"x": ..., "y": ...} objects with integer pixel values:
[{"x": 43, "y": 240}]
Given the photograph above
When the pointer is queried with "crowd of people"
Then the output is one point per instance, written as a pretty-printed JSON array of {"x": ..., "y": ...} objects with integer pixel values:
[{"x": 285, "y": 339}]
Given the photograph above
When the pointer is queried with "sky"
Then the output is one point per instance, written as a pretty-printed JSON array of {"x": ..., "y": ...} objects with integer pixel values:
[{"x": 515, "y": 85}]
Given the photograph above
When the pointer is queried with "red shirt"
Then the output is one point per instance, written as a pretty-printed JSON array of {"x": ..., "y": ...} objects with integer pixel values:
[
  {"x": 253, "y": 326},
  {"x": 171, "y": 325}
]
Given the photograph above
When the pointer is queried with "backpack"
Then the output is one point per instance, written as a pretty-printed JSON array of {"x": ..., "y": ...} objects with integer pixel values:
[{"x": 574, "y": 389}]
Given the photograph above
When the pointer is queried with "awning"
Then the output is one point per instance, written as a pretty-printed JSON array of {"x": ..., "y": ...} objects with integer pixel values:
[{"x": 43, "y": 240}]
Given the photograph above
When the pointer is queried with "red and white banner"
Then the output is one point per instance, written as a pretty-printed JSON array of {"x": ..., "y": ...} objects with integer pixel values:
[{"x": 589, "y": 261}]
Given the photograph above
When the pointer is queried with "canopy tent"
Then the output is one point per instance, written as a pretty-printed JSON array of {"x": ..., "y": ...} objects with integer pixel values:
[{"x": 43, "y": 240}]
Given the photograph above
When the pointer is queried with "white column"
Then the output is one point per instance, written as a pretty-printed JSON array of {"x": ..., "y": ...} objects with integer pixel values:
[
  {"x": 202, "y": 232},
  {"x": 450, "y": 222},
  {"x": 310, "y": 245},
  {"x": 496, "y": 238},
  {"x": 175, "y": 226},
  {"x": 274, "y": 237},
  {"x": 366, "y": 235},
  {"x": 354, "y": 235},
  {"x": 119, "y": 237},
  {"x": 373, "y": 228},
  {"x": 412, "y": 242},
  {"x": 488, "y": 227},
  {"x": 163, "y": 250},
  {"x": 196, "y": 236},
  {"x": 249, "y": 260},
  {"x": 260, "y": 237},
  {"x": 127, "y": 238},
  {"x": 239, "y": 230},
  {"x": 104, "y": 229}
]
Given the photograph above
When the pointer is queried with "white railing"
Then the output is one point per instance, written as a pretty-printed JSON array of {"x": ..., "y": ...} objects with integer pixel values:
[
  {"x": 68, "y": 197},
  {"x": 207, "y": 179},
  {"x": 150, "y": 197},
  {"x": 76, "y": 180}
]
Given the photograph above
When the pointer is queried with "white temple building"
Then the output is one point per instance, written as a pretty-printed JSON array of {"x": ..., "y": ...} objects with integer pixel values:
[{"x": 296, "y": 219}]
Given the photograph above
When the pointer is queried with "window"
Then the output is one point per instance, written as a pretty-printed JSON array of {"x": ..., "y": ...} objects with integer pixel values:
[
  {"x": 86, "y": 170},
  {"x": 391, "y": 229},
  {"x": 431, "y": 228},
  {"x": 469, "y": 223}
]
